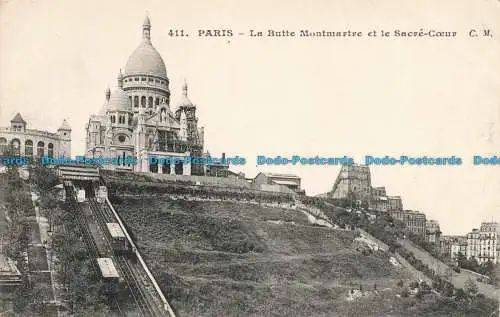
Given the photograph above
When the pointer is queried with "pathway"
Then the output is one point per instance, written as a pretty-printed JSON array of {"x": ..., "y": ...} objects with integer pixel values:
[
  {"x": 41, "y": 240},
  {"x": 457, "y": 279}
]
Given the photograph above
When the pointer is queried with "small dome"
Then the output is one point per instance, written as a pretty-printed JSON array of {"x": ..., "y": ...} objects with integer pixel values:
[
  {"x": 103, "y": 110},
  {"x": 119, "y": 101}
]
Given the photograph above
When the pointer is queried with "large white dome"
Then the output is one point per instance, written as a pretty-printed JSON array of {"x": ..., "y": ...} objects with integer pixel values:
[{"x": 146, "y": 60}]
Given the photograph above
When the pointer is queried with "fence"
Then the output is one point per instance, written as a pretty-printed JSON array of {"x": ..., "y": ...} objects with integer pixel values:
[{"x": 166, "y": 305}]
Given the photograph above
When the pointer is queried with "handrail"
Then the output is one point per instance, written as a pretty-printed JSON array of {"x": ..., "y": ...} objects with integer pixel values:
[{"x": 166, "y": 305}]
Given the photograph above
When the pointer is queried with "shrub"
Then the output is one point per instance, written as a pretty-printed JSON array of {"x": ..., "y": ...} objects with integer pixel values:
[{"x": 405, "y": 292}]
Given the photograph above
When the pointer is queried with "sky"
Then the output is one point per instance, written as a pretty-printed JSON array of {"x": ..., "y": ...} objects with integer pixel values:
[{"x": 286, "y": 96}]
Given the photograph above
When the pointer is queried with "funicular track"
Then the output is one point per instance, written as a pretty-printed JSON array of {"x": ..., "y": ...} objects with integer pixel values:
[
  {"x": 123, "y": 267},
  {"x": 122, "y": 264},
  {"x": 86, "y": 235}
]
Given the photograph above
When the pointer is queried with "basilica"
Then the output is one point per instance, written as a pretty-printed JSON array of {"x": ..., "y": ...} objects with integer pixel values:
[{"x": 137, "y": 119}]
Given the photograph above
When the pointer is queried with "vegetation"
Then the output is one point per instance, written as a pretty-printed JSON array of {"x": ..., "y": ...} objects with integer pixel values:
[
  {"x": 236, "y": 259},
  {"x": 258, "y": 268},
  {"x": 386, "y": 229},
  {"x": 78, "y": 273},
  {"x": 489, "y": 269},
  {"x": 177, "y": 188},
  {"x": 28, "y": 300},
  {"x": 84, "y": 291},
  {"x": 43, "y": 177}
]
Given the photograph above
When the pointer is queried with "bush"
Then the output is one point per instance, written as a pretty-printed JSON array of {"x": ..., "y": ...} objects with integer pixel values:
[{"x": 405, "y": 292}]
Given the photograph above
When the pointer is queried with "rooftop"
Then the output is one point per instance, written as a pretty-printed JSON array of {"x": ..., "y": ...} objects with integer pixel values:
[
  {"x": 115, "y": 230},
  {"x": 107, "y": 267},
  {"x": 285, "y": 182},
  {"x": 281, "y": 175},
  {"x": 393, "y": 197},
  {"x": 18, "y": 118},
  {"x": 7, "y": 266}
]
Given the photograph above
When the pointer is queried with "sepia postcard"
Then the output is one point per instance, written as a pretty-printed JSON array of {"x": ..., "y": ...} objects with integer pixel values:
[{"x": 325, "y": 158}]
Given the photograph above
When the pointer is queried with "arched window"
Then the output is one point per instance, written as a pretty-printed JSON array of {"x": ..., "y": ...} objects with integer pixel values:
[
  {"x": 28, "y": 148},
  {"x": 40, "y": 149},
  {"x": 150, "y": 102},
  {"x": 136, "y": 101},
  {"x": 157, "y": 102},
  {"x": 165, "y": 168},
  {"x": 113, "y": 119},
  {"x": 179, "y": 168},
  {"x": 3, "y": 145},
  {"x": 153, "y": 168},
  {"x": 15, "y": 147},
  {"x": 130, "y": 100},
  {"x": 50, "y": 151},
  {"x": 143, "y": 101}
]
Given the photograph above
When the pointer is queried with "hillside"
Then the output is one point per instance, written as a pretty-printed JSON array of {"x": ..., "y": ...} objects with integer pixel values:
[{"x": 237, "y": 259}]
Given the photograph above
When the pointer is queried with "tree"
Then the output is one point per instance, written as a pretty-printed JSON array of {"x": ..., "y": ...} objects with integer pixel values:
[
  {"x": 448, "y": 289},
  {"x": 38, "y": 300},
  {"x": 365, "y": 205},
  {"x": 461, "y": 296},
  {"x": 471, "y": 287},
  {"x": 50, "y": 205},
  {"x": 43, "y": 177},
  {"x": 14, "y": 179},
  {"x": 405, "y": 292}
]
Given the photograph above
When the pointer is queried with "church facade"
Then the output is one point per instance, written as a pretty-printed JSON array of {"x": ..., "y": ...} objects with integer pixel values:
[{"x": 137, "y": 120}]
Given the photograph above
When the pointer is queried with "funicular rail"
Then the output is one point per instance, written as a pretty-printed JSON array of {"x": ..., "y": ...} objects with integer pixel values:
[
  {"x": 121, "y": 262},
  {"x": 167, "y": 309},
  {"x": 87, "y": 238}
]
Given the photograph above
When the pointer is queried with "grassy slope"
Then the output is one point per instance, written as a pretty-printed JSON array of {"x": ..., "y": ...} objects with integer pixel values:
[
  {"x": 227, "y": 259},
  {"x": 3, "y": 188}
]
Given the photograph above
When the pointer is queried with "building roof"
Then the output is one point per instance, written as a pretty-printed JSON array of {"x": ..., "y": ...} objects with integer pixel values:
[
  {"x": 323, "y": 195},
  {"x": 107, "y": 267},
  {"x": 286, "y": 183},
  {"x": 281, "y": 175},
  {"x": 115, "y": 230},
  {"x": 119, "y": 101},
  {"x": 147, "y": 22},
  {"x": 65, "y": 126},
  {"x": 5, "y": 265},
  {"x": 185, "y": 102},
  {"x": 18, "y": 119},
  {"x": 146, "y": 60}
]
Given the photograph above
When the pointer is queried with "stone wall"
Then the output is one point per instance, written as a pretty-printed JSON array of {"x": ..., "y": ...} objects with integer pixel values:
[{"x": 353, "y": 181}]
